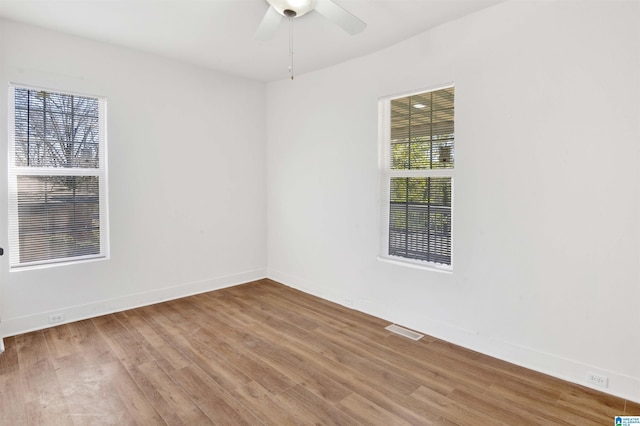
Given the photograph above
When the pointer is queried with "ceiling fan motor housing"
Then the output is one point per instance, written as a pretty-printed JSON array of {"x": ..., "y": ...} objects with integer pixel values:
[{"x": 292, "y": 8}]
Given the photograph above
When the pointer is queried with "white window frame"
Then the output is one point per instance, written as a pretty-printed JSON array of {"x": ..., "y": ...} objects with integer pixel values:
[
  {"x": 385, "y": 175},
  {"x": 14, "y": 171}
]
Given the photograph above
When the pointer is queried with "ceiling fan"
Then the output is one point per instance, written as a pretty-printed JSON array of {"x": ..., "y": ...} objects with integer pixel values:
[{"x": 295, "y": 9}]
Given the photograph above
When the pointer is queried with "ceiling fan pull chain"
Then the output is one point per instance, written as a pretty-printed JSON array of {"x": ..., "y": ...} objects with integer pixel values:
[{"x": 291, "y": 46}]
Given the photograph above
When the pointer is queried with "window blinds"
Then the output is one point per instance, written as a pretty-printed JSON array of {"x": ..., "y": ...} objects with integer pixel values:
[{"x": 57, "y": 177}]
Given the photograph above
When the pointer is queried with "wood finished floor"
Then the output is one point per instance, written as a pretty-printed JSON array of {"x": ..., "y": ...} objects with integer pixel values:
[{"x": 262, "y": 353}]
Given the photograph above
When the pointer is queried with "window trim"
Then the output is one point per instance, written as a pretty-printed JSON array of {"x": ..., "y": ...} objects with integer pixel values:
[
  {"x": 385, "y": 174},
  {"x": 14, "y": 171}
]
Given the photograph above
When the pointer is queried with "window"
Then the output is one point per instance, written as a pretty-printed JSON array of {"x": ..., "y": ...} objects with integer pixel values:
[
  {"x": 57, "y": 177},
  {"x": 417, "y": 163}
]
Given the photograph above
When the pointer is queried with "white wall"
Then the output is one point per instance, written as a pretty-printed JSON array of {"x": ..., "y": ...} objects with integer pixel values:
[
  {"x": 546, "y": 235},
  {"x": 186, "y": 178}
]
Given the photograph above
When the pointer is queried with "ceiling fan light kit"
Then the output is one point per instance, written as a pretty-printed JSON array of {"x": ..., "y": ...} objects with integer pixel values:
[{"x": 297, "y": 8}]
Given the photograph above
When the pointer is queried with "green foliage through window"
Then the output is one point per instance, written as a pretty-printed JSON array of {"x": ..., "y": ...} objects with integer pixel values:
[{"x": 422, "y": 131}]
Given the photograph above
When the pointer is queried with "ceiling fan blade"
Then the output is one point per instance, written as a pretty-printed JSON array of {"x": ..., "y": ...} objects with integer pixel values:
[
  {"x": 340, "y": 16},
  {"x": 269, "y": 24}
]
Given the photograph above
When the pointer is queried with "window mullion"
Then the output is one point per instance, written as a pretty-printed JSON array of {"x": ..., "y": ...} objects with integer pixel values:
[{"x": 55, "y": 171}]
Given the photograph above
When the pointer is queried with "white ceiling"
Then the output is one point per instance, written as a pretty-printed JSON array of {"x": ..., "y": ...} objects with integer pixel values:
[{"x": 219, "y": 34}]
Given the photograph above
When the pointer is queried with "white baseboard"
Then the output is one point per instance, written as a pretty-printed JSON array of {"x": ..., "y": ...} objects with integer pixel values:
[
  {"x": 619, "y": 385},
  {"x": 14, "y": 326}
]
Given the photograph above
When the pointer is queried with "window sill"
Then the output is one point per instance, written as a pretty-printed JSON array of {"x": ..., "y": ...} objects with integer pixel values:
[
  {"x": 56, "y": 263},
  {"x": 434, "y": 267}
]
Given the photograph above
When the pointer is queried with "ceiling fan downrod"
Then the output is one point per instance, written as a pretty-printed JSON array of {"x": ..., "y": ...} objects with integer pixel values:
[{"x": 290, "y": 14}]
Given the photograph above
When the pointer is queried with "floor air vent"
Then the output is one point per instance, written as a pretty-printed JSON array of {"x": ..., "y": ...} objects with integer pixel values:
[{"x": 404, "y": 332}]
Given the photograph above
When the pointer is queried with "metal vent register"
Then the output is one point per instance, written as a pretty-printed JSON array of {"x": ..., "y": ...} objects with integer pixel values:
[{"x": 404, "y": 332}]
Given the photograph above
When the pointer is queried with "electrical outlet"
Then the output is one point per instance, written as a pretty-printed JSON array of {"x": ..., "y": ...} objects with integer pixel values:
[
  {"x": 597, "y": 380},
  {"x": 54, "y": 318}
]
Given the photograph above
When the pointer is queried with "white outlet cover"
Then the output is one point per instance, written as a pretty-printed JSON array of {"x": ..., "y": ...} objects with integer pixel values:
[{"x": 597, "y": 380}]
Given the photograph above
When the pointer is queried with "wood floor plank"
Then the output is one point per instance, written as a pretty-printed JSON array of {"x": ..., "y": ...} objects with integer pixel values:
[
  {"x": 265, "y": 354},
  {"x": 296, "y": 368},
  {"x": 160, "y": 349},
  {"x": 269, "y": 377},
  {"x": 168, "y": 398},
  {"x": 265, "y": 304},
  {"x": 61, "y": 340},
  {"x": 366, "y": 411},
  {"x": 50, "y": 413},
  {"x": 453, "y": 410},
  {"x": 228, "y": 348},
  {"x": 12, "y": 404},
  {"x": 129, "y": 350},
  {"x": 498, "y": 410},
  {"x": 134, "y": 407},
  {"x": 632, "y": 408},
  {"x": 355, "y": 357},
  {"x": 293, "y": 366},
  {"x": 215, "y": 401},
  {"x": 312, "y": 409},
  {"x": 590, "y": 404},
  {"x": 32, "y": 349},
  {"x": 94, "y": 347},
  {"x": 516, "y": 389},
  {"x": 44, "y": 401},
  {"x": 9, "y": 358},
  {"x": 89, "y": 395},
  {"x": 266, "y": 407},
  {"x": 204, "y": 357}
]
